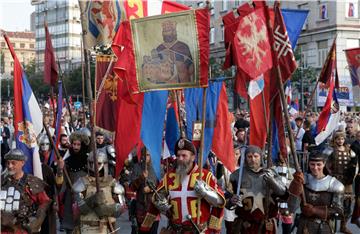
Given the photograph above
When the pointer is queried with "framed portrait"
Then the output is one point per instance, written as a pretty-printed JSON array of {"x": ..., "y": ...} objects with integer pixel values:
[
  {"x": 197, "y": 131},
  {"x": 166, "y": 51},
  {"x": 351, "y": 9}
]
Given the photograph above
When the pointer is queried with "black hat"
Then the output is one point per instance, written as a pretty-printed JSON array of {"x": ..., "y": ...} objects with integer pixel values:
[
  {"x": 15, "y": 154},
  {"x": 184, "y": 144},
  {"x": 253, "y": 149},
  {"x": 299, "y": 118},
  {"x": 319, "y": 154}
]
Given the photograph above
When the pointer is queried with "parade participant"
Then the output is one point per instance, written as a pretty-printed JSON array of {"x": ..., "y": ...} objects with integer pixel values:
[
  {"x": 298, "y": 133},
  {"x": 63, "y": 144},
  {"x": 23, "y": 197},
  {"x": 98, "y": 209},
  {"x": 249, "y": 204},
  {"x": 355, "y": 146},
  {"x": 323, "y": 195},
  {"x": 178, "y": 192},
  {"x": 342, "y": 165},
  {"x": 100, "y": 140},
  {"x": 75, "y": 161},
  {"x": 143, "y": 178},
  {"x": 45, "y": 150}
]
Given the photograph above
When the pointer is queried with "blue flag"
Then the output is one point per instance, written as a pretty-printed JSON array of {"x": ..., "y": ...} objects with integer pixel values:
[
  {"x": 294, "y": 20},
  {"x": 193, "y": 107},
  {"x": 154, "y": 109}
]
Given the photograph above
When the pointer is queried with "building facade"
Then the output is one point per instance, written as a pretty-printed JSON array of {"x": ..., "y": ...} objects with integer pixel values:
[
  {"x": 24, "y": 46},
  {"x": 63, "y": 19},
  {"x": 327, "y": 20}
]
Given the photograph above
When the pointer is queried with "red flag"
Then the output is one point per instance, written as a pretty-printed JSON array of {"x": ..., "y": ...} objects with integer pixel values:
[
  {"x": 353, "y": 59},
  {"x": 252, "y": 44},
  {"x": 283, "y": 49},
  {"x": 278, "y": 116},
  {"x": 222, "y": 144},
  {"x": 328, "y": 67},
  {"x": 106, "y": 95},
  {"x": 50, "y": 66}
]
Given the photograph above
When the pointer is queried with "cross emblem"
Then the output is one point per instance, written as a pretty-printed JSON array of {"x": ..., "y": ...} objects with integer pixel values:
[{"x": 184, "y": 193}]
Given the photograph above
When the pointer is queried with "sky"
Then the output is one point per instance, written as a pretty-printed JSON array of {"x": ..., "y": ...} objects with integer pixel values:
[{"x": 15, "y": 14}]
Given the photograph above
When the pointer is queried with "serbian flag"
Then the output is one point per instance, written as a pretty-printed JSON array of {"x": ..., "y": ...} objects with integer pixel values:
[
  {"x": 330, "y": 114},
  {"x": 106, "y": 93},
  {"x": 130, "y": 106},
  {"x": 353, "y": 60},
  {"x": 329, "y": 66},
  {"x": 27, "y": 117},
  {"x": 50, "y": 66},
  {"x": 172, "y": 131}
]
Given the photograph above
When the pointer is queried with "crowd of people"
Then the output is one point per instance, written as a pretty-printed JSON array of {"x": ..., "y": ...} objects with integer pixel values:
[{"x": 80, "y": 190}]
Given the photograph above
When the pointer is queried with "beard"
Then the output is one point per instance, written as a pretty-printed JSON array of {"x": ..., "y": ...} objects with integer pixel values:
[
  {"x": 182, "y": 169},
  {"x": 11, "y": 172}
]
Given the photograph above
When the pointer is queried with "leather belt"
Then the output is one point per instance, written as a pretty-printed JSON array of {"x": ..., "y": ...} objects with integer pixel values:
[{"x": 180, "y": 228}]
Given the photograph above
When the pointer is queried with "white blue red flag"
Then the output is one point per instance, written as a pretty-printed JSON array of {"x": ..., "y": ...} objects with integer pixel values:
[
  {"x": 27, "y": 117},
  {"x": 330, "y": 114}
]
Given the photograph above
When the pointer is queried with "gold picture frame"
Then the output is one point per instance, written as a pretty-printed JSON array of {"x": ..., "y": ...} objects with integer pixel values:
[{"x": 166, "y": 51}]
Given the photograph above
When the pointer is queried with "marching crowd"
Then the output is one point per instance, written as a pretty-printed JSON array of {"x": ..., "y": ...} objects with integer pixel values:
[{"x": 82, "y": 192}]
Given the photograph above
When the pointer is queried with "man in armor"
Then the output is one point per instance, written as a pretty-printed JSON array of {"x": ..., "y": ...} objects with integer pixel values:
[
  {"x": 323, "y": 194},
  {"x": 44, "y": 148},
  {"x": 23, "y": 201},
  {"x": 75, "y": 161},
  {"x": 178, "y": 193},
  {"x": 249, "y": 203},
  {"x": 98, "y": 209},
  {"x": 342, "y": 165},
  {"x": 143, "y": 180}
]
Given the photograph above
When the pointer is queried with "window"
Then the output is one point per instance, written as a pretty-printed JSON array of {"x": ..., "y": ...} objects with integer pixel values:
[
  {"x": 225, "y": 5},
  {"x": 14, "y": 45},
  {"x": 212, "y": 35},
  {"x": 351, "y": 9},
  {"x": 222, "y": 32},
  {"x": 323, "y": 11},
  {"x": 2, "y": 44},
  {"x": 22, "y": 45},
  {"x": 322, "y": 52},
  {"x": 237, "y": 3}
]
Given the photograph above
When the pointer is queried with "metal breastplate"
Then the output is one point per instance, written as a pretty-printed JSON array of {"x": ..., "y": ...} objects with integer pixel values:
[
  {"x": 253, "y": 187},
  {"x": 14, "y": 199},
  {"x": 321, "y": 192},
  {"x": 342, "y": 161}
]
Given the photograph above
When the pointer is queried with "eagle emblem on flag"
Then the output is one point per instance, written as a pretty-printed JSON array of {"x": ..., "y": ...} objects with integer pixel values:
[
  {"x": 27, "y": 134},
  {"x": 252, "y": 45},
  {"x": 110, "y": 86}
]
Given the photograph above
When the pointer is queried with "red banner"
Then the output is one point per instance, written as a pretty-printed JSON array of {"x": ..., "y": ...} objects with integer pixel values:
[{"x": 106, "y": 93}]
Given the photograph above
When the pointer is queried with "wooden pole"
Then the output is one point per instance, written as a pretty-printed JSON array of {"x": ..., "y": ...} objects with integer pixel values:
[
  {"x": 181, "y": 126},
  {"x": 282, "y": 93},
  {"x": 66, "y": 96},
  {"x": 83, "y": 82},
  {"x": 201, "y": 152}
]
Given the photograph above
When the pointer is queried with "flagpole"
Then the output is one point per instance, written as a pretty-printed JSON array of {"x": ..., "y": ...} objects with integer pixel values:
[
  {"x": 201, "y": 151},
  {"x": 65, "y": 94},
  {"x": 282, "y": 94},
  {"x": 269, "y": 162},
  {"x": 83, "y": 80}
]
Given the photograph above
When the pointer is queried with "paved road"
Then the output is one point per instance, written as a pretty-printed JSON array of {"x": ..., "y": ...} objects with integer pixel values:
[{"x": 125, "y": 227}]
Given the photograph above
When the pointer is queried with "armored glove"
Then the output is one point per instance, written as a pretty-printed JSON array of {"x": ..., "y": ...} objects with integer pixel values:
[
  {"x": 211, "y": 196},
  {"x": 85, "y": 204},
  {"x": 296, "y": 186},
  {"x": 276, "y": 185},
  {"x": 162, "y": 204},
  {"x": 314, "y": 211}
]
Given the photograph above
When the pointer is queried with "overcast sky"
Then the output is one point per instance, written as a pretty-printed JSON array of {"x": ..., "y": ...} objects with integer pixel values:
[{"x": 15, "y": 14}]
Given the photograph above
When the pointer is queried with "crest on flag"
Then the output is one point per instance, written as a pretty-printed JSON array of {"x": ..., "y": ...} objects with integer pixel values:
[
  {"x": 100, "y": 21},
  {"x": 253, "y": 44},
  {"x": 27, "y": 134}
]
